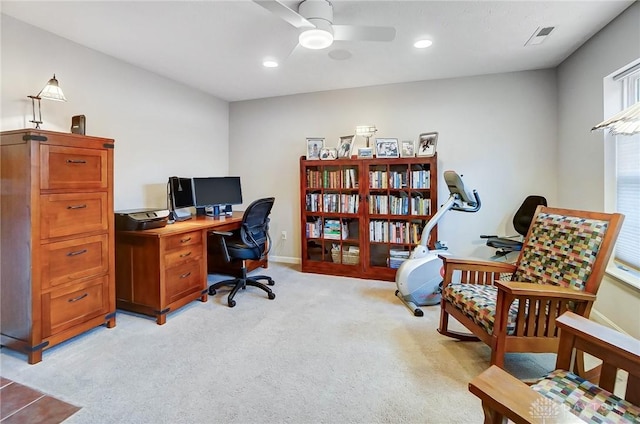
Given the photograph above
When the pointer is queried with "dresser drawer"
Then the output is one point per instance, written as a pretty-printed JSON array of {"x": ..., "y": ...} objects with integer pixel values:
[
  {"x": 181, "y": 240},
  {"x": 72, "y": 168},
  {"x": 76, "y": 213},
  {"x": 179, "y": 256},
  {"x": 66, "y": 261},
  {"x": 183, "y": 280},
  {"x": 66, "y": 307}
]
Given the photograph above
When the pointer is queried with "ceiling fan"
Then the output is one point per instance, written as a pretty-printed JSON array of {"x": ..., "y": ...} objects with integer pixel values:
[{"x": 315, "y": 19}]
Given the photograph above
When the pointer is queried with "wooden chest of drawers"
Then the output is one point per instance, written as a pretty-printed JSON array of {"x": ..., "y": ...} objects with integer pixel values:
[
  {"x": 57, "y": 265},
  {"x": 159, "y": 271}
]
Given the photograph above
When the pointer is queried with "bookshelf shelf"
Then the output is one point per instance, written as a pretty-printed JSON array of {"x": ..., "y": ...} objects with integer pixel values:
[{"x": 362, "y": 217}]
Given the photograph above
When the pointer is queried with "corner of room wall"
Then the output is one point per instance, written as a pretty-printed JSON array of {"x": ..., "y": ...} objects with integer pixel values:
[
  {"x": 161, "y": 128},
  {"x": 581, "y": 158}
]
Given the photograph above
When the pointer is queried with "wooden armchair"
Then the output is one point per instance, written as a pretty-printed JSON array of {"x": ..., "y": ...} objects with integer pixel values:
[
  {"x": 560, "y": 268},
  {"x": 561, "y": 396}
]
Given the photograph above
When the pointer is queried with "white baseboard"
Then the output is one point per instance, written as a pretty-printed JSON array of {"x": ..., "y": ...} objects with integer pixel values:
[
  {"x": 601, "y": 319},
  {"x": 284, "y": 259}
]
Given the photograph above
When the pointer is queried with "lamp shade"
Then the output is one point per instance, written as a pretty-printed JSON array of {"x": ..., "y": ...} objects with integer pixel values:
[
  {"x": 366, "y": 130},
  {"x": 626, "y": 122},
  {"x": 52, "y": 91}
]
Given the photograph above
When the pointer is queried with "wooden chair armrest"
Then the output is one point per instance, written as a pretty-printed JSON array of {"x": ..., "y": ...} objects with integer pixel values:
[
  {"x": 468, "y": 263},
  {"x": 517, "y": 288},
  {"x": 499, "y": 391},
  {"x": 600, "y": 336}
]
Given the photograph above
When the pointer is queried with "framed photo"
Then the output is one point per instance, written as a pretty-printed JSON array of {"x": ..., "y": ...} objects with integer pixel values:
[
  {"x": 365, "y": 152},
  {"x": 328, "y": 153},
  {"x": 387, "y": 148},
  {"x": 314, "y": 146},
  {"x": 407, "y": 149},
  {"x": 427, "y": 144},
  {"x": 345, "y": 146}
]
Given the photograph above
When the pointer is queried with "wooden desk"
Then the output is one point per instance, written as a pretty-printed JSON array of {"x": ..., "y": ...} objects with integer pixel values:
[{"x": 162, "y": 269}]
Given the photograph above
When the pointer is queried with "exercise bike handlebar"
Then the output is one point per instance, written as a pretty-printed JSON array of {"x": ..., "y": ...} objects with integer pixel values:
[
  {"x": 471, "y": 206},
  {"x": 459, "y": 200}
]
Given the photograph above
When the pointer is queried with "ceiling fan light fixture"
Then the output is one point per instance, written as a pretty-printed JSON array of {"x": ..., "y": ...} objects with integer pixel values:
[{"x": 317, "y": 38}]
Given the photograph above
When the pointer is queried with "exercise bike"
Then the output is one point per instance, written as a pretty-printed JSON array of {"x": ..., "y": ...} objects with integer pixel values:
[{"x": 419, "y": 278}]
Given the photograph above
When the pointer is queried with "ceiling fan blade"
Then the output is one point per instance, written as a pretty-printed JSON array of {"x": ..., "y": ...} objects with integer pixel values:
[
  {"x": 363, "y": 33},
  {"x": 289, "y": 15}
]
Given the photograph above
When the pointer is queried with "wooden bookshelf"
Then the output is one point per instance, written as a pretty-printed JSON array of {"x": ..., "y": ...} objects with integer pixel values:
[{"x": 360, "y": 217}]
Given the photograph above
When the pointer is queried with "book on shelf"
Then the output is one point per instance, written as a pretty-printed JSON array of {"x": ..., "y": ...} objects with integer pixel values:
[{"x": 335, "y": 230}]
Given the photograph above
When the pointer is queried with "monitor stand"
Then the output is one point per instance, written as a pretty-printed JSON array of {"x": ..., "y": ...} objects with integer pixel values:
[{"x": 182, "y": 214}]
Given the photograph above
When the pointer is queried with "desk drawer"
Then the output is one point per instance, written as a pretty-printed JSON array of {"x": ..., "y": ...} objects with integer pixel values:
[
  {"x": 64, "y": 167},
  {"x": 71, "y": 260},
  {"x": 75, "y": 213},
  {"x": 181, "y": 240},
  {"x": 179, "y": 256},
  {"x": 183, "y": 280},
  {"x": 64, "y": 308}
]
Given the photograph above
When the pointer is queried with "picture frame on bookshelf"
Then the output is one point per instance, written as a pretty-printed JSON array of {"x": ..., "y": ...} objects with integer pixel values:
[
  {"x": 346, "y": 146},
  {"x": 365, "y": 153},
  {"x": 407, "y": 149},
  {"x": 328, "y": 153},
  {"x": 427, "y": 144},
  {"x": 314, "y": 146},
  {"x": 387, "y": 148}
]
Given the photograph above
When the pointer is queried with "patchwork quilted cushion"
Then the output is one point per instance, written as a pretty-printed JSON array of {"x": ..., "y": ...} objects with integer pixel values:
[
  {"x": 478, "y": 302},
  {"x": 561, "y": 250},
  {"x": 585, "y": 400}
]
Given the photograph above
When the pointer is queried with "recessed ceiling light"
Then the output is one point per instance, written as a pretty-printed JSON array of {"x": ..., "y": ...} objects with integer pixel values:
[
  {"x": 270, "y": 64},
  {"x": 422, "y": 44}
]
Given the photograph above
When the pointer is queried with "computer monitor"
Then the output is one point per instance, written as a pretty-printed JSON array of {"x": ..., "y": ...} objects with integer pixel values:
[
  {"x": 217, "y": 193},
  {"x": 180, "y": 198}
]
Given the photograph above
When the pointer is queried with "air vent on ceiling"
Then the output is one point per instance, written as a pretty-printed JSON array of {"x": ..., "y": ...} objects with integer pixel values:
[{"x": 539, "y": 35}]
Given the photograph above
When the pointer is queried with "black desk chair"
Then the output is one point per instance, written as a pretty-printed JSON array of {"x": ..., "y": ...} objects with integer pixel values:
[
  {"x": 521, "y": 222},
  {"x": 251, "y": 242}
]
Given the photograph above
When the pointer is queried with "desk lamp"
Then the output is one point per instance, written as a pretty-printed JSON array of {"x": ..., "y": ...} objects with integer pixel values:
[
  {"x": 50, "y": 91},
  {"x": 366, "y": 131}
]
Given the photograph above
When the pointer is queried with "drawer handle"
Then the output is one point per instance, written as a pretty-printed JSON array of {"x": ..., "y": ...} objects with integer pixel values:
[
  {"x": 184, "y": 255},
  {"x": 76, "y": 161},
  {"x": 186, "y": 274},
  {"x": 76, "y": 207},
  {"x": 185, "y": 240},
  {"x": 78, "y": 298},
  {"x": 76, "y": 253}
]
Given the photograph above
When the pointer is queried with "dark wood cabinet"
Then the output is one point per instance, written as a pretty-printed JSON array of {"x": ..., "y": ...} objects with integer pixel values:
[
  {"x": 362, "y": 217},
  {"x": 57, "y": 238}
]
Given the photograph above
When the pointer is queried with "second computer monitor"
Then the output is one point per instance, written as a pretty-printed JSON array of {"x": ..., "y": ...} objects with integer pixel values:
[{"x": 216, "y": 193}]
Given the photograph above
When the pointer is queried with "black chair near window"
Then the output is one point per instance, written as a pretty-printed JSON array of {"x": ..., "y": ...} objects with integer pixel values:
[
  {"x": 521, "y": 222},
  {"x": 251, "y": 242}
]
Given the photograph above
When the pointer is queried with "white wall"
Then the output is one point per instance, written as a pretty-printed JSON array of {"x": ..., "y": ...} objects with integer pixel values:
[
  {"x": 161, "y": 128},
  {"x": 499, "y": 131},
  {"x": 582, "y": 153}
]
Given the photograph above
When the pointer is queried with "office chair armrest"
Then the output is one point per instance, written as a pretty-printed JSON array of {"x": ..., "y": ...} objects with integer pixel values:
[
  {"x": 223, "y": 244},
  {"x": 222, "y": 233}
]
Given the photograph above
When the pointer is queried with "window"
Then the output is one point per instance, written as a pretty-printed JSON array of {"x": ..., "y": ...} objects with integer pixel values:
[{"x": 627, "y": 183}]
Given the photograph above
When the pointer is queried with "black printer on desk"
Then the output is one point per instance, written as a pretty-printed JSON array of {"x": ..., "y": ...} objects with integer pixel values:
[{"x": 141, "y": 219}]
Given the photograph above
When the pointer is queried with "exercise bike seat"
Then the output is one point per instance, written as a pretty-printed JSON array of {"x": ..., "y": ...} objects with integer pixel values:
[{"x": 521, "y": 222}]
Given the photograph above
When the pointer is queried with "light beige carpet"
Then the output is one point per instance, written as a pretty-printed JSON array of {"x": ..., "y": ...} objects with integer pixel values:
[{"x": 326, "y": 350}]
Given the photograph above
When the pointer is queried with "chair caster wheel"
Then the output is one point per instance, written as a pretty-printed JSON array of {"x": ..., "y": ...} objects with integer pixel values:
[
  {"x": 418, "y": 313},
  {"x": 397, "y": 291},
  {"x": 232, "y": 303},
  {"x": 212, "y": 291},
  {"x": 271, "y": 282},
  {"x": 271, "y": 295}
]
